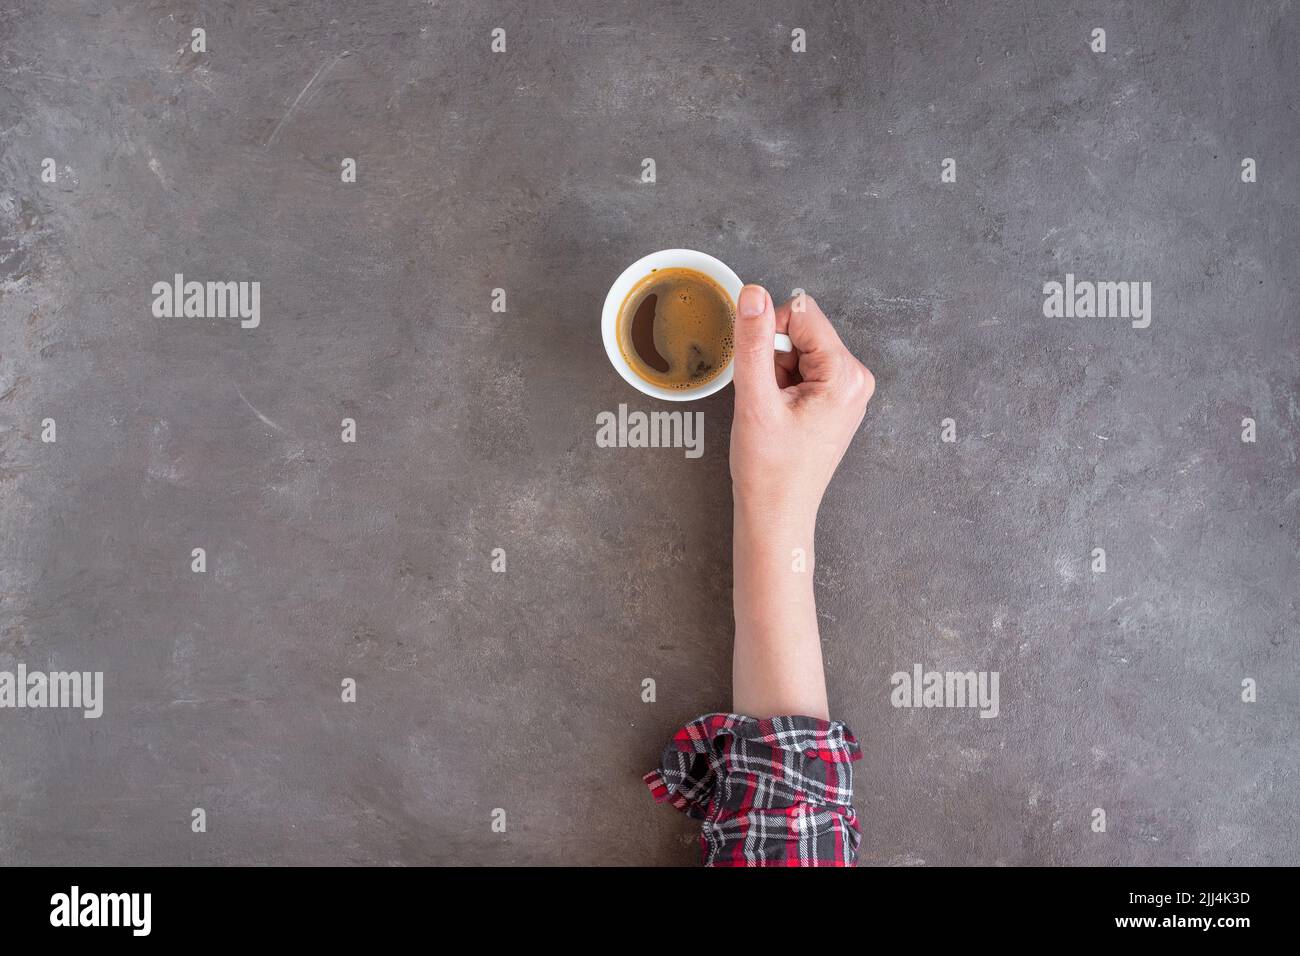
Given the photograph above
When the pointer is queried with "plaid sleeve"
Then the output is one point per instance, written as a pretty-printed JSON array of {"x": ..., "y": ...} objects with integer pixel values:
[{"x": 772, "y": 792}]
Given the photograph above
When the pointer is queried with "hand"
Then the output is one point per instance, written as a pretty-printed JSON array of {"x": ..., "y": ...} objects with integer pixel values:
[{"x": 796, "y": 412}]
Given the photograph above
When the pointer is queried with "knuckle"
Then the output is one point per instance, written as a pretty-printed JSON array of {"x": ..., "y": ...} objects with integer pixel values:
[
  {"x": 862, "y": 384},
  {"x": 868, "y": 381}
]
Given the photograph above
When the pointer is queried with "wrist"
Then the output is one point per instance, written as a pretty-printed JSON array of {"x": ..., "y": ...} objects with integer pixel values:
[{"x": 786, "y": 516}]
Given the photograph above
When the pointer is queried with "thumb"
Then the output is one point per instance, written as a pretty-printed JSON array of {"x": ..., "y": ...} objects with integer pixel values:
[{"x": 755, "y": 376}]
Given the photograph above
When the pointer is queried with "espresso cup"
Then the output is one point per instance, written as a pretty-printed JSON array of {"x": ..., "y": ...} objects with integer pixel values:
[{"x": 671, "y": 259}]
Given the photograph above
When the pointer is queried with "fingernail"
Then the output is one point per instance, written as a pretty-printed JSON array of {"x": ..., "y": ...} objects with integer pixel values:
[{"x": 752, "y": 300}]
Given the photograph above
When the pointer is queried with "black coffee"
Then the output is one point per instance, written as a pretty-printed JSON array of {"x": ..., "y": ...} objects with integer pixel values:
[{"x": 676, "y": 328}]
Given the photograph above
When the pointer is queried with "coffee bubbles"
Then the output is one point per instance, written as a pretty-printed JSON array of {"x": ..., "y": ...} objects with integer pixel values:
[{"x": 676, "y": 328}]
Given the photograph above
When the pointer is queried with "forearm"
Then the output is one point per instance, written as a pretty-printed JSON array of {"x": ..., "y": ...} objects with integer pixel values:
[{"x": 777, "y": 660}]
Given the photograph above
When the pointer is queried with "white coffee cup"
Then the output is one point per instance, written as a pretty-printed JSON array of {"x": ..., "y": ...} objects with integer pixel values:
[{"x": 670, "y": 259}]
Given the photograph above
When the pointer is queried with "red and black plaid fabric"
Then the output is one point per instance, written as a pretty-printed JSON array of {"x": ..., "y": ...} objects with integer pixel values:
[{"x": 772, "y": 792}]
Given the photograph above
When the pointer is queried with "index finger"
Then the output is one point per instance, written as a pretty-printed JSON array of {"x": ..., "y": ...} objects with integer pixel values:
[{"x": 808, "y": 327}]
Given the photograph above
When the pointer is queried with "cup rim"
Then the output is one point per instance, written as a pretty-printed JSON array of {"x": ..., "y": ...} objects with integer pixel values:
[{"x": 712, "y": 267}]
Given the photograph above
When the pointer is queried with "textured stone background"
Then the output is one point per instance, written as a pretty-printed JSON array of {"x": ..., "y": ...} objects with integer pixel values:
[{"x": 477, "y": 429}]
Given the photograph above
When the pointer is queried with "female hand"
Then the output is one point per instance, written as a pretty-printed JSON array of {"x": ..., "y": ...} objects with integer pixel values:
[{"x": 796, "y": 412}]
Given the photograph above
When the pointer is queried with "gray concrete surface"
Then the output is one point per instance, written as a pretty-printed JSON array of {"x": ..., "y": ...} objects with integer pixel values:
[{"x": 476, "y": 430}]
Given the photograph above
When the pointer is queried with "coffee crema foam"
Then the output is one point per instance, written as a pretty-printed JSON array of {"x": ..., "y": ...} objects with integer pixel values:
[{"x": 676, "y": 328}]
